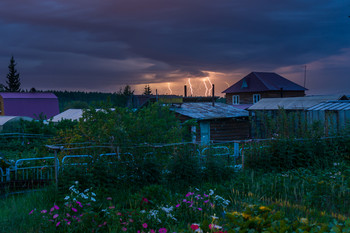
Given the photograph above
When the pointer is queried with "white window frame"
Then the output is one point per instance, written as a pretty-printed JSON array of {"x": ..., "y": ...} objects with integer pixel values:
[
  {"x": 235, "y": 99},
  {"x": 256, "y": 98}
]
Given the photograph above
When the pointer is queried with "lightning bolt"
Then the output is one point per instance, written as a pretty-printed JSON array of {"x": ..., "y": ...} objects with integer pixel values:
[
  {"x": 171, "y": 92},
  {"x": 206, "y": 87},
  {"x": 211, "y": 86},
  {"x": 189, "y": 82}
]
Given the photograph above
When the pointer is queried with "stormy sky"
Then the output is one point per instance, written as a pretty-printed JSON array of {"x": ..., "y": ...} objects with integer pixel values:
[{"x": 102, "y": 45}]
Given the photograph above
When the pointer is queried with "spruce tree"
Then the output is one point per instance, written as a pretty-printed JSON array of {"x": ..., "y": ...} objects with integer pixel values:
[
  {"x": 147, "y": 90},
  {"x": 13, "y": 82}
]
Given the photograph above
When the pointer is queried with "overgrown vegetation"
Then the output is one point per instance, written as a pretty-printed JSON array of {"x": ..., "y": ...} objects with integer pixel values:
[{"x": 156, "y": 182}]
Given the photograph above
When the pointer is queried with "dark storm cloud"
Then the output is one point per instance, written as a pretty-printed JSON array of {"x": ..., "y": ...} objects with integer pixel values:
[{"x": 97, "y": 44}]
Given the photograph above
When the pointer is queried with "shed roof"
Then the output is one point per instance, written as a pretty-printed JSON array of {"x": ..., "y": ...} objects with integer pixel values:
[
  {"x": 292, "y": 103},
  {"x": 25, "y": 95},
  {"x": 263, "y": 81},
  {"x": 331, "y": 105},
  {"x": 206, "y": 111},
  {"x": 70, "y": 114}
]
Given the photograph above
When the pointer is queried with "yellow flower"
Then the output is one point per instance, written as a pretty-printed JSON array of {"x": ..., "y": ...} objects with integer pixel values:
[
  {"x": 245, "y": 215},
  {"x": 264, "y": 208},
  {"x": 304, "y": 220}
]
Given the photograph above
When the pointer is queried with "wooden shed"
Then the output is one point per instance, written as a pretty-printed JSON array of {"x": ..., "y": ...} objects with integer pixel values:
[
  {"x": 334, "y": 115},
  {"x": 218, "y": 123}
]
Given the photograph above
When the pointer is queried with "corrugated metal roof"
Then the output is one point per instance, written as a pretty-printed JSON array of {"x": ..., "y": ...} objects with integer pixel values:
[
  {"x": 5, "y": 119},
  {"x": 332, "y": 106},
  {"x": 292, "y": 103},
  {"x": 264, "y": 81},
  {"x": 206, "y": 111},
  {"x": 25, "y": 95},
  {"x": 70, "y": 114}
]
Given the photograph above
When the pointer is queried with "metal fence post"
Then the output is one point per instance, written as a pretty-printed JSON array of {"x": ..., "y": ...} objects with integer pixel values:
[{"x": 8, "y": 177}]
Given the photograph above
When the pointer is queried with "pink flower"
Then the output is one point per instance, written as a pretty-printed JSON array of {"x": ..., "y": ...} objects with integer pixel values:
[
  {"x": 58, "y": 224},
  {"x": 68, "y": 215},
  {"x": 178, "y": 205},
  {"x": 55, "y": 216},
  {"x": 112, "y": 207},
  {"x": 74, "y": 209},
  {"x": 206, "y": 201},
  {"x": 31, "y": 212},
  {"x": 43, "y": 211},
  {"x": 145, "y": 200},
  {"x": 184, "y": 200},
  {"x": 68, "y": 223},
  {"x": 144, "y": 225},
  {"x": 200, "y": 209},
  {"x": 109, "y": 198},
  {"x": 131, "y": 220},
  {"x": 152, "y": 231},
  {"x": 124, "y": 229},
  {"x": 52, "y": 209},
  {"x": 119, "y": 213},
  {"x": 194, "y": 227},
  {"x": 79, "y": 203},
  {"x": 162, "y": 230},
  {"x": 56, "y": 207}
]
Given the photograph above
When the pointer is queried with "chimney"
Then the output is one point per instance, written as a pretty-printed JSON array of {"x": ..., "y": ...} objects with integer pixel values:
[
  {"x": 213, "y": 95},
  {"x": 185, "y": 90}
]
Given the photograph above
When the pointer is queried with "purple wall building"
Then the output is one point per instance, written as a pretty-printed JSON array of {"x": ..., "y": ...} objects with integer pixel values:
[{"x": 28, "y": 104}]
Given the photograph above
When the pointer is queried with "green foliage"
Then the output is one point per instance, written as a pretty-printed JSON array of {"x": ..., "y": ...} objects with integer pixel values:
[
  {"x": 285, "y": 154},
  {"x": 184, "y": 170},
  {"x": 121, "y": 126}
]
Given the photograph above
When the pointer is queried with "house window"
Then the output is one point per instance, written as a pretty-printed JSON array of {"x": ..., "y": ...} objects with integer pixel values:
[
  {"x": 244, "y": 84},
  {"x": 235, "y": 99},
  {"x": 256, "y": 98}
]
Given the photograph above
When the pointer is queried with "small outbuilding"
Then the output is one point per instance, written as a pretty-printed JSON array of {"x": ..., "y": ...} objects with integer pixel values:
[
  {"x": 36, "y": 105},
  {"x": 11, "y": 123},
  {"x": 218, "y": 123},
  {"x": 334, "y": 115}
]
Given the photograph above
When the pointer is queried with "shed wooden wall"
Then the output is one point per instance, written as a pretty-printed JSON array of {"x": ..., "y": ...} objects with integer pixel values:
[
  {"x": 225, "y": 129},
  {"x": 229, "y": 129}
]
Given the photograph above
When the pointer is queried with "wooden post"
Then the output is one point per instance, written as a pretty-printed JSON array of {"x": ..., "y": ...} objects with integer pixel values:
[
  {"x": 56, "y": 148},
  {"x": 242, "y": 156}
]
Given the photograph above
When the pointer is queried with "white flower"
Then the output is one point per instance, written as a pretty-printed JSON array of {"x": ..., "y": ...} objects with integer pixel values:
[
  {"x": 199, "y": 230},
  {"x": 66, "y": 198},
  {"x": 143, "y": 211},
  {"x": 76, "y": 182},
  {"x": 167, "y": 210},
  {"x": 83, "y": 196},
  {"x": 93, "y": 194},
  {"x": 71, "y": 187},
  {"x": 214, "y": 217},
  {"x": 86, "y": 190},
  {"x": 211, "y": 192},
  {"x": 93, "y": 199}
]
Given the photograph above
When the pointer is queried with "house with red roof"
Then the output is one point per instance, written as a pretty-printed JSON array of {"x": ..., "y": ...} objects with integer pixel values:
[
  {"x": 257, "y": 85},
  {"x": 36, "y": 105}
]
